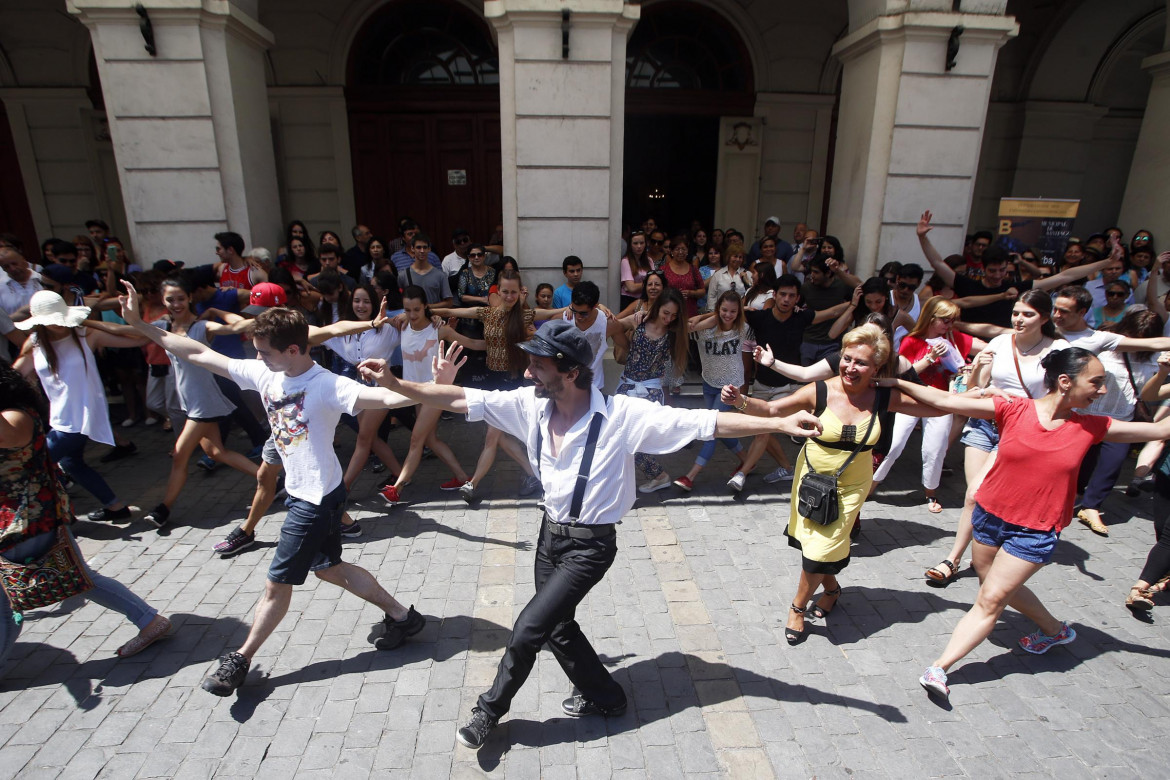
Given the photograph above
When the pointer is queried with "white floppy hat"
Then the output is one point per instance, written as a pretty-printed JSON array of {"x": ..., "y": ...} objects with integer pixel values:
[{"x": 49, "y": 308}]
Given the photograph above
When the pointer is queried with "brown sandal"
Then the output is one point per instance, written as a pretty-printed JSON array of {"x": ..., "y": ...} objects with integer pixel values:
[
  {"x": 145, "y": 638},
  {"x": 944, "y": 578}
]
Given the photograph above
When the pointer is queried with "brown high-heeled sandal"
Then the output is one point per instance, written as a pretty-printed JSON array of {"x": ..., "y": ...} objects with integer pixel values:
[{"x": 1139, "y": 600}]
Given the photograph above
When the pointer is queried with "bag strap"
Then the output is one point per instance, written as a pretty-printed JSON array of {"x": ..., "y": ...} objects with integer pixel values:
[
  {"x": 586, "y": 462},
  {"x": 881, "y": 403},
  {"x": 1132, "y": 382},
  {"x": 822, "y": 398},
  {"x": 1019, "y": 374}
]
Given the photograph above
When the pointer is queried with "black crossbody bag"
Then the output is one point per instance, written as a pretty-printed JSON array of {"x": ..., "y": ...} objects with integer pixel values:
[{"x": 817, "y": 496}]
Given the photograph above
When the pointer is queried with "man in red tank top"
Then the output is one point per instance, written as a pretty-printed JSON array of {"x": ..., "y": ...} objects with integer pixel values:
[{"x": 233, "y": 271}]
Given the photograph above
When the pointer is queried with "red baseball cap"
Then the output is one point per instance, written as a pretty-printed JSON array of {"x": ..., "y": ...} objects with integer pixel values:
[{"x": 264, "y": 296}]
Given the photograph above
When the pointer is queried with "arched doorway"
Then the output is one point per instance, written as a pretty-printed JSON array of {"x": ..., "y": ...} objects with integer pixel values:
[
  {"x": 685, "y": 68},
  {"x": 424, "y": 120}
]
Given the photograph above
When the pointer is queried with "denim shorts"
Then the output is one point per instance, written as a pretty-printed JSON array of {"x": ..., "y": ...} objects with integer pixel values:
[
  {"x": 270, "y": 454},
  {"x": 1027, "y": 544},
  {"x": 310, "y": 538},
  {"x": 980, "y": 434}
]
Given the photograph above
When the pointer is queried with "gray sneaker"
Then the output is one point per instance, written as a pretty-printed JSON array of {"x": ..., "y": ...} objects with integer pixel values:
[
  {"x": 529, "y": 486},
  {"x": 781, "y": 474},
  {"x": 736, "y": 481}
]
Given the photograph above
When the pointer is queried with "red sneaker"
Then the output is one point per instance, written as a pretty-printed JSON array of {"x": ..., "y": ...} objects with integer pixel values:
[
  {"x": 684, "y": 483},
  {"x": 451, "y": 484},
  {"x": 390, "y": 493}
]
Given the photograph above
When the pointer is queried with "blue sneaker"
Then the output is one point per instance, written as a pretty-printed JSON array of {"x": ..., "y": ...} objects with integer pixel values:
[
  {"x": 207, "y": 463},
  {"x": 256, "y": 452},
  {"x": 1039, "y": 643},
  {"x": 351, "y": 531}
]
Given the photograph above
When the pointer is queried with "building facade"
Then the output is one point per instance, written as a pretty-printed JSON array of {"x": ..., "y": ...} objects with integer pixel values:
[{"x": 562, "y": 120}]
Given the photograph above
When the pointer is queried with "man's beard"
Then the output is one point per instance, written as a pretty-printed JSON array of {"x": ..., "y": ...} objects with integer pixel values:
[{"x": 550, "y": 391}]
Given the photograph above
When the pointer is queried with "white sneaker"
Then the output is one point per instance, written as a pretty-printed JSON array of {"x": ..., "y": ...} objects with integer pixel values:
[
  {"x": 150, "y": 421},
  {"x": 736, "y": 481},
  {"x": 658, "y": 483},
  {"x": 781, "y": 474},
  {"x": 129, "y": 422}
]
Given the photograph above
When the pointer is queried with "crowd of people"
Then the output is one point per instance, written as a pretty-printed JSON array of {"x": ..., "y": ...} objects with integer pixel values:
[{"x": 1017, "y": 361}]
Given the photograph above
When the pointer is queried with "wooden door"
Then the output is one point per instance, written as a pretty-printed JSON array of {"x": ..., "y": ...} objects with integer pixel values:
[{"x": 442, "y": 169}]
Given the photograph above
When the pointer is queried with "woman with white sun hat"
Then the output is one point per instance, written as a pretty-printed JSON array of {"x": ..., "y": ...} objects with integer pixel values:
[{"x": 60, "y": 354}]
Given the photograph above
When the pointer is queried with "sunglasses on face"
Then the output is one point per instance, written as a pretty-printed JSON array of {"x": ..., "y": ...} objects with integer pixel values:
[
  {"x": 463, "y": 241},
  {"x": 907, "y": 286},
  {"x": 657, "y": 241},
  {"x": 580, "y": 314},
  {"x": 475, "y": 254},
  {"x": 1141, "y": 239},
  {"x": 1115, "y": 294}
]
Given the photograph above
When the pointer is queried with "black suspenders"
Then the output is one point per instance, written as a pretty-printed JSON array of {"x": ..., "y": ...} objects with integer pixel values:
[{"x": 586, "y": 464}]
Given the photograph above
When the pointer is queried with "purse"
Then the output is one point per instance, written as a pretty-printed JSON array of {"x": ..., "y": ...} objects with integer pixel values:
[
  {"x": 817, "y": 496},
  {"x": 53, "y": 577}
]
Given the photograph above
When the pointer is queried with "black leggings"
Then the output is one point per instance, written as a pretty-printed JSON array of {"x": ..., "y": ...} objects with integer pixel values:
[{"x": 1158, "y": 561}]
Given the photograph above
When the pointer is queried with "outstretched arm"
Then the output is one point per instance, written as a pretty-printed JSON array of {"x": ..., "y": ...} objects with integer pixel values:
[
  {"x": 970, "y": 404},
  {"x": 1156, "y": 389},
  {"x": 799, "y": 423},
  {"x": 945, "y": 272},
  {"x": 188, "y": 349},
  {"x": 1124, "y": 432},
  {"x": 441, "y": 393},
  {"x": 803, "y": 374}
]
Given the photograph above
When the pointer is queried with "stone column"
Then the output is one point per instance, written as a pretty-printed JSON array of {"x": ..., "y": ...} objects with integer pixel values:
[
  {"x": 909, "y": 131},
  {"x": 562, "y": 134},
  {"x": 190, "y": 124},
  {"x": 1148, "y": 190}
]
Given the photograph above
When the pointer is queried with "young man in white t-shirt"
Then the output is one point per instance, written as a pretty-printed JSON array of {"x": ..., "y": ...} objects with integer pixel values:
[
  {"x": 595, "y": 326},
  {"x": 304, "y": 403}
]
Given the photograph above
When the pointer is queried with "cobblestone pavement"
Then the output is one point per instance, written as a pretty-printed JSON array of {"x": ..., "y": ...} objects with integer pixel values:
[{"x": 690, "y": 619}]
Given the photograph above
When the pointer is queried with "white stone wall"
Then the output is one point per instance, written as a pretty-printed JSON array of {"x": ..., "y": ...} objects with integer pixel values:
[
  {"x": 795, "y": 155},
  {"x": 311, "y": 136}
]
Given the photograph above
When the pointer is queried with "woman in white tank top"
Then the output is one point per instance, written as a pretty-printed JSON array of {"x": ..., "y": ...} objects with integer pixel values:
[
  {"x": 60, "y": 355},
  {"x": 420, "y": 343}
]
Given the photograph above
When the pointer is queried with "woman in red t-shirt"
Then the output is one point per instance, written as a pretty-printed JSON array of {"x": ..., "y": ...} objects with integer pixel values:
[
  {"x": 1026, "y": 499},
  {"x": 937, "y": 352}
]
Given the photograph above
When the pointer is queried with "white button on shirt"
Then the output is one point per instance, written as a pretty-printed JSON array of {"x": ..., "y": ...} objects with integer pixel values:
[{"x": 630, "y": 425}]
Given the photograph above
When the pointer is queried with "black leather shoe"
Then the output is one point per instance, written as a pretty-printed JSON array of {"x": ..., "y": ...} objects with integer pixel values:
[
  {"x": 105, "y": 514},
  {"x": 577, "y": 706}
]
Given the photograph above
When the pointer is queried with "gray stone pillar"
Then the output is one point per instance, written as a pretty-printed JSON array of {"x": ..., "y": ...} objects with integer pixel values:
[
  {"x": 562, "y": 134},
  {"x": 909, "y": 131},
  {"x": 189, "y": 125},
  {"x": 1148, "y": 190}
]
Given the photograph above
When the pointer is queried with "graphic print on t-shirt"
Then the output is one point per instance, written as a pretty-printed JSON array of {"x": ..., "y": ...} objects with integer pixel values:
[
  {"x": 287, "y": 418},
  {"x": 418, "y": 356}
]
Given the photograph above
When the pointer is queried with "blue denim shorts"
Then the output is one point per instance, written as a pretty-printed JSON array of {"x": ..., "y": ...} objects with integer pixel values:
[
  {"x": 1027, "y": 544},
  {"x": 980, "y": 434},
  {"x": 310, "y": 538}
]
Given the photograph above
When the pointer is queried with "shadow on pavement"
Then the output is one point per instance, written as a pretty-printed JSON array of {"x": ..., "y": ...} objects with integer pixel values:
[
  {"x": 440, "y": 641},
  {"x": 705, "y": 684}
]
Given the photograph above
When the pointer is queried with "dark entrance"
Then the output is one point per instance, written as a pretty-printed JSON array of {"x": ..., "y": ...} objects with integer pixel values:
[
  {"x": 424, "y": 121},
  {"x": 670, "y": 170},
  {"x": 685, "y": 68}
]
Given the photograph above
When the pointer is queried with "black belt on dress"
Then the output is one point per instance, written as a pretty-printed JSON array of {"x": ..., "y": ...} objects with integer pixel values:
[{"x": 580, "y": 530}]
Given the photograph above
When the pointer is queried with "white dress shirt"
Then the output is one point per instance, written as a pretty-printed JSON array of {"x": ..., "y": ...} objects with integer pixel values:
[
  {"x": 630, "y": 425},
  {"x": 14, "y": 295}
]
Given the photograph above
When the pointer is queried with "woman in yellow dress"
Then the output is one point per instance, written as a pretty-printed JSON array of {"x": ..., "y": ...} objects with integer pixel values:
[{"x": 845, "y": 404}]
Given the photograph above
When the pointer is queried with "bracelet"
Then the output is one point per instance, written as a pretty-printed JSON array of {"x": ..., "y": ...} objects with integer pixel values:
[
  {"x": 372, "y": 325},
  {"x": 771, "y": 364},
  {"x": 742, "y": 406}
]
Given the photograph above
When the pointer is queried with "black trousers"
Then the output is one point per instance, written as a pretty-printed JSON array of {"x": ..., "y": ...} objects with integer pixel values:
[
  {"x": 566, "y": 570},
  {"x": 1158, "y": 561}
]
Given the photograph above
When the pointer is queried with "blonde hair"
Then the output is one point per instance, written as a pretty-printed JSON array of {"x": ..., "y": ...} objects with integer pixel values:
[
  {"x": 935, "y": 308},
  {"x": 872, "y": 336}
]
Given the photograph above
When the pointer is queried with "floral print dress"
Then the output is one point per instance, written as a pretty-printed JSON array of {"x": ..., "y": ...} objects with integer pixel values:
[{"x": 647, "y": 368}]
